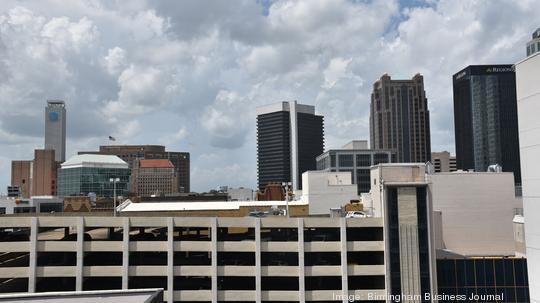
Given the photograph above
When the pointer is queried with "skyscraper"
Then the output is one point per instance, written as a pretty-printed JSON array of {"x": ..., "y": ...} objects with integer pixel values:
[
  {"x": 485, "y": 118},
  {"x": 289, "y": 138},
  {"x": 55, "y": 128},
  {"x": 533, "y": 46},
  {"x": 399, "y": 118}
]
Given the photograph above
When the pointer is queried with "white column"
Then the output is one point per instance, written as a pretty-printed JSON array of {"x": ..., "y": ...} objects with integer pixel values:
[
  {"x": 80, "y": 254},
  {"x": 213, "y": 230},
  {"x": 33, "y": 254},
  {"x": 301, "y": 269},
  {"x": 344, "y": 272},
  {"x": 125, "y": 254},
  {"x": 257, "y": 260},
  {"x": 294, "y": 144},
  {"x": 170, "y": 260}
]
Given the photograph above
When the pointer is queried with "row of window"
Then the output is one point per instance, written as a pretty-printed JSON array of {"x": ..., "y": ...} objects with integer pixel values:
[
  {"x": 506, "y": 277},
  {"x": 194, "y": 283},
  {"x": 196, "y": 258},
  {"x": 194, "y": 234},
  {"x": 347, "y": 160}
]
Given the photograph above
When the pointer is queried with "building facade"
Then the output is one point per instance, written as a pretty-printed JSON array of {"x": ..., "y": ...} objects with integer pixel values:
[
  {"x": 357, "y": 159},
  {"x": 240, "y": 194},
  {"x": 492, "y": 279},
  {"x": 401, "y": 195},
  {"x": 44, "y": 173},
  {"x": 205, "y": 259},
  {"x": 153, "y": 177},
  {"x": 533, "y": 46},
  {"x": 289, "y": 138},
  {"x": 443, "y": 162},
  {"x": 55, "y": 128},
  {"x": 84, "y": 174},
  {"x": 468, "y": 229},
  {"x": 324, "y": 190},
  {"x": 35, "y": 177},
  {"x": 485, "y": 118},
  {"x": 130, "y": 153},
  {"x": 528, "y": 103},
  {"x": 21, "y": 176},
  {"x": 399, "y": 118}
]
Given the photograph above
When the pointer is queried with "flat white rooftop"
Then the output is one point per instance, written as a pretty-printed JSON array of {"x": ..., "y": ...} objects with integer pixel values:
[
  {"x": 95, "y": 160},
  {"x": 284, "y": 106},
  {"x": 129, "y": 206}
]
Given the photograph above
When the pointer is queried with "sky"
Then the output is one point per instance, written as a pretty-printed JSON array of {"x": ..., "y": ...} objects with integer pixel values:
[{"x": 189, "y": 74}]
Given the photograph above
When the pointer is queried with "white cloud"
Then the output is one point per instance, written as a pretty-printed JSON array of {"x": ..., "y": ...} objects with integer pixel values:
[
  {"x": 142, "y": 89},
  {"x": 190, "y": 75},
  {"x": 147, "y": 25},
  {"x": 63, "y": 34},
  {"x": 227, "y": 120},
  {"x": 115, "y": 60},
  {"x": 337, "y": 68}
]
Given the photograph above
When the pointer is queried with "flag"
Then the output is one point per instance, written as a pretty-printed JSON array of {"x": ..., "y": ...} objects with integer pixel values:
[{"x": 112, "y": 138}]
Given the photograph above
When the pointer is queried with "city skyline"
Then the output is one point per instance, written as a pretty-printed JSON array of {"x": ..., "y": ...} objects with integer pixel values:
[{"x": 111, "y": 86}]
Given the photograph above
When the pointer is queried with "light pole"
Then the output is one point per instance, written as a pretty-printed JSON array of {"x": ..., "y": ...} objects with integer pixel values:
[
  {"x": 286, "y": 185},
  {"x": 113, "y": 181}
]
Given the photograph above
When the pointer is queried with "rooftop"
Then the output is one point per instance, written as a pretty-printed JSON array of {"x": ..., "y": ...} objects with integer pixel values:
[
  {"x": 129, "y": 206},
  {"x": 56, "y": 102},
  {"x": 285, "y": 106},
  {"x": 95, "y": 160},
  {"x": 155, "y": 163}
]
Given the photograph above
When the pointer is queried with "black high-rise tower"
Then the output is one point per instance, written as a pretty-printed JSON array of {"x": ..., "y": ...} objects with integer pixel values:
[
  {"x": 485, "y": 118},
  {"x": 289, "y": 138}
]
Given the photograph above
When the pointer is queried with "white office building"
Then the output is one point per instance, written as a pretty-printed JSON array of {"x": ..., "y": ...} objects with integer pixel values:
[{"x": 528, "y": 99}]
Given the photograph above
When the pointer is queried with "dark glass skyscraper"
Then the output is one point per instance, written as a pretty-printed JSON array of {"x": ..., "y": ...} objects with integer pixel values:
[
  {"x": 399, "y": 118},
  {"x": 289, "y": 138},
  {"x": 485, "y": 118}
]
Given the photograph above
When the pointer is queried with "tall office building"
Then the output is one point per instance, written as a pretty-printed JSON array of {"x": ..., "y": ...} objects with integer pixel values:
[
  {"x": 130, "y": 153},
  {"x": 289, "y": 138},
  {"x": 533, "y": 46},
  {"x": 485, "y": 118},
  {"x": 55, "y": 128},
  {"x": 528, "y": 103},
  {"x": 399, "y": 118}
]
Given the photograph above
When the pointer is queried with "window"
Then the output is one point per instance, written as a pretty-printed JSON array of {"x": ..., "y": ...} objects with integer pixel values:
[
  {"x": 363, "y": 160},
  {"x": 346, "y": 161},
  {"x": 380, "y": 158}
]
